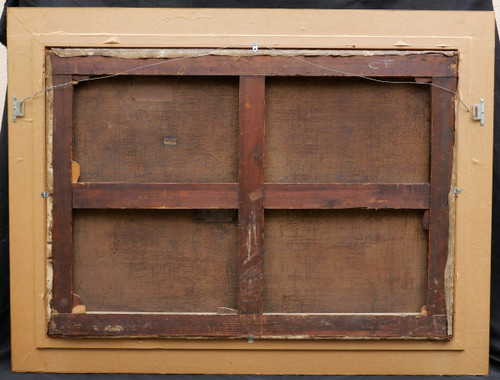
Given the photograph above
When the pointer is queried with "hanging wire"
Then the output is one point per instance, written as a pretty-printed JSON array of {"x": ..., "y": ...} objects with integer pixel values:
[
  {"x": 347, "y": 73},
  {"x": 210, "y": 52},
  {"x": 255, "y": 48}
]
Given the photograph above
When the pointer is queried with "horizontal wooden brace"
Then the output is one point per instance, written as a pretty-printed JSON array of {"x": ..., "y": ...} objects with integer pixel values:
[
  {"x": 340, "y": 196},
  {"x": 417, "y": 65},
  {"x": 155, "y": 196},
  {"x": 250, "y": 325},
  {"x": 225, "y": 196}
]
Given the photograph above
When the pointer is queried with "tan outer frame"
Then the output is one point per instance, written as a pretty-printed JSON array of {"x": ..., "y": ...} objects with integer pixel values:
[{"x": 30, "y": 31}]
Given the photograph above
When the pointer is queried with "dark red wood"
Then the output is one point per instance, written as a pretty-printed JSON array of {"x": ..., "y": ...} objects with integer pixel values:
[
  {"x": 244, "y": 325},
  {"x": 341, "y": 196},
  {"x": 62, "y": 259},
  {"x": 225, "y": 196},
  {"x": 423, "y": 80},
  {"x": 155, "y": 195},
  {"x": 251, "y": 194},
  {"x": 442, "y": 140},
  {"x": 412, "y": 65}
]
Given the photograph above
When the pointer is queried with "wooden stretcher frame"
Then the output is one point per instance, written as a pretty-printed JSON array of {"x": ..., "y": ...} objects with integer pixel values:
[
  {"x": 28, "y": 41},
  {"x": 251, "y": 321}
]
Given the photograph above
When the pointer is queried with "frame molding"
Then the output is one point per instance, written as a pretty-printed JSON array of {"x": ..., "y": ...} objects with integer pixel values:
[{"x": 470, "y": 33}]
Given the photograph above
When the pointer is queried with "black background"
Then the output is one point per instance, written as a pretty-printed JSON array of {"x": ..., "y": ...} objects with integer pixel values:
[{"x": 470, "y": 5}]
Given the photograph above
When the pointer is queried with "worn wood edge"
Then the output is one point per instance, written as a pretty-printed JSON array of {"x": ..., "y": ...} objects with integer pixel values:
[
  {"x": 155, "y": 196},
  {"x": 117, "y": 52},
  {"x": 366, "y": 65},
  {"x": 449, "y": 271},
  {"x": 49, "y": 183},
  {"x": 265, "y": 326},
  {"x": 342, "y": 196}
]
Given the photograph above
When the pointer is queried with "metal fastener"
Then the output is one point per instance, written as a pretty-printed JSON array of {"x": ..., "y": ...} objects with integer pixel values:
[
  {"x": 457, "y": 190},
  {"x": 255, "y": 47},
  {"x": 45, "y": 194},
  {"x": 478, "y": 111},
  {"x": 17, "y": 108},
  {"x": 250, "y": 339}
]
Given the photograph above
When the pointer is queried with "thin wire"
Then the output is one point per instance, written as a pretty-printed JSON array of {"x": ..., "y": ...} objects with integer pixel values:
[
  {"x": 210, "y": 52},
  {"x": 347, "y": 73}
]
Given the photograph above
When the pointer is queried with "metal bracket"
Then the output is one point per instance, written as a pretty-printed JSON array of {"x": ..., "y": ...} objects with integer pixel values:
[
  {"x": 17, "y": 108},
  {"x": 478, "y": 111}
]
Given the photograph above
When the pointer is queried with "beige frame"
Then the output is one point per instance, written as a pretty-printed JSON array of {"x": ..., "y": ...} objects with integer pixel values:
[{"x": 31, "y": 31}]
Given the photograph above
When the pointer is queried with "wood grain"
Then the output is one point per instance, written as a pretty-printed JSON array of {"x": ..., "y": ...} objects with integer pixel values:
[
  {"x": 419, "y": 65},
  {"x": 344, "y": 261},
  {"x": 251, "y": 193},
  {"x": 331, "y": 144},
  {"x": 157, "y": 130},
  {"x": 224, "y": 196},
  {"x": 155, "y": 195},
  {"x": 244, "y": 325},
  {"x": 62, "y": 264},
  {"x": 155, "y": 260},
  {"x": 443, "y": 136},
  {"x": 340, "y": 196},
  {"x": 339, "y": 130}
]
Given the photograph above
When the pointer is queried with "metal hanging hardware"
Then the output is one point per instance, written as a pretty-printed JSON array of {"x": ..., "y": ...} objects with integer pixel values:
[
  {"x": 17, "y": 108},
  {"x": 478, "y": 111}
]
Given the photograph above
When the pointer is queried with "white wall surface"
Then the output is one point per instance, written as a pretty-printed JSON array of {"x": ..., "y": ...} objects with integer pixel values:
[{"x": 496, "y": 7}]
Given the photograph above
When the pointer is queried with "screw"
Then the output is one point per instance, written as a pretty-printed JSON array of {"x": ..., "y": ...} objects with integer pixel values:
[
  {"x": 457, "y": 190},
  {"x": 45, "y": 194},
  {"x": 250, "y": 339}
]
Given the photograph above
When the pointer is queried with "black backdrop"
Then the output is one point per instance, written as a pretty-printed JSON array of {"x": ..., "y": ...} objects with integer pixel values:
[{"x": 472, "y": 5}]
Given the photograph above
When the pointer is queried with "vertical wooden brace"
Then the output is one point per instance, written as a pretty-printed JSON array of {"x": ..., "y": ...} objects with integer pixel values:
[
  {"x": 442, "y": 140},
  {"x": 62, "y": 209},
  {"x": 251, "y": 190}
]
